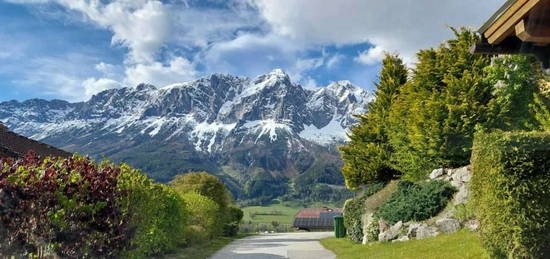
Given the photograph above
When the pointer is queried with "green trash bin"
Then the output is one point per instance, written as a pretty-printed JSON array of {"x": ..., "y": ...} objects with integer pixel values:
[{"x": 339, "y": 229}]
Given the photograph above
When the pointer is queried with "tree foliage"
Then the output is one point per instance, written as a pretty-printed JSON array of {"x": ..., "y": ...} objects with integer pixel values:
[
  {"x": 367, "y": 155},
  {"x": 204, "y": 212},
  {"x": 204, "y": 184},
  {"x": 433, "y": 120},
  {"x": 429, "y": 121},
  {"x": 515, "y": 86}
]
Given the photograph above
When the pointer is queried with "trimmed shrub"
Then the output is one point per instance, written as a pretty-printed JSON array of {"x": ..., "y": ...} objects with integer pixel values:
[
  {"x": 416, "y": 201},
  {"x": 354, "y": 210},
  {"x": 511, "y": 193}
]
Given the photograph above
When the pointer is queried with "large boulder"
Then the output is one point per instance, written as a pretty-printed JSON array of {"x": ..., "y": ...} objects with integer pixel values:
[
  {"x": 448, "y": 225},
  {"x": 392, "y": 233},
  {"x": 459, "y": 178},
  {"x": 425, "y": 231},
  {"x": 437, "y": 173}
]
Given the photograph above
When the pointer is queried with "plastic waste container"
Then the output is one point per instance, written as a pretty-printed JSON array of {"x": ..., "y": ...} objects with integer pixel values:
[{"x": 339, "y": 229}]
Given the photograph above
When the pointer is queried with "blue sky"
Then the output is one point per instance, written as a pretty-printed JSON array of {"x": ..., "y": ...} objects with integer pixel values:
[{"x": 72, "y": 49}]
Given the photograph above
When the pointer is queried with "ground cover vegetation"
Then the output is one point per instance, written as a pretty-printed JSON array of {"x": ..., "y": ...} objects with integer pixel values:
[
  {"x": 430, "y": 116},
  {"x": 459, "y": 245},
  {"x": 77, "y": 208}
]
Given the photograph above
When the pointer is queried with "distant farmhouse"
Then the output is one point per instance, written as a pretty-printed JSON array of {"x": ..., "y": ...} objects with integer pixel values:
[
  {"x": 13, "y": 145},
  {"x": 316, "y": 219}
]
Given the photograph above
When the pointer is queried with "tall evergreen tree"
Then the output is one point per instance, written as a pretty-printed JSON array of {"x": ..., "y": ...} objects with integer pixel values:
[
  {"x": 367, "y": 155},
  {"x": 433, "y": 121}
]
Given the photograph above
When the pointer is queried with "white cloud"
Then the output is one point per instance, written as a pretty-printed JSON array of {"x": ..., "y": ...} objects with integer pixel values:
[
  {"x": 402, "y": 26},
  {"x": 371, "y": 56},
  {"x": 334, "y": 60},
  {"x": 93, "y": 86},
  {"x": 177, "y": 70},
  {"x": 105, "y": 68},
  {"x": 141, "y": 25}
]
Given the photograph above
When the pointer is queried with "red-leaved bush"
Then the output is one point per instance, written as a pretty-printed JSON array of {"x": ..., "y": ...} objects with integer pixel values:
[{"x": 69, "y": 205}]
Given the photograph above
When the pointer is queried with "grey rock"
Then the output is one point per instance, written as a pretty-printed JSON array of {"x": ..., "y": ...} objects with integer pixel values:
[
  {"x": 392, "y": 233},
  {"x": 462, "y": 196},
  {"x": 425, "y": 231},
  {"x": 462, "y": 174},
  {"x": 448, "y": 225},
  {"x": 383, "y": 226},
  {"x": 413, "y": 229},
  {"x": 472, "y": 225},
  {"x": 437, "y": 173}
]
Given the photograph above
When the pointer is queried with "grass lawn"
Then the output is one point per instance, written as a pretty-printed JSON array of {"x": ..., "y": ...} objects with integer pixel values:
[
  {"x": 463, "y": 244},
  {"x": 203, "y": 251},
  {"x": 277, "y": 212}
]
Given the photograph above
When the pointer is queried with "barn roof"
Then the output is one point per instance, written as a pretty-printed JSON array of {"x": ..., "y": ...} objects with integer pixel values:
[
  {"x": 15, "y": 145},
  {"x": 316, "y": 218}
]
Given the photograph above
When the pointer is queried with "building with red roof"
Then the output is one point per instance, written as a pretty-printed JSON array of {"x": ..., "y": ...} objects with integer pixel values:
[{"x": 316, "y": 219}]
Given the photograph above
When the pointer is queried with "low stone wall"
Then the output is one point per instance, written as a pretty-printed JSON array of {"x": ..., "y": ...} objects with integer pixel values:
[{"x": 445, "y": 222}]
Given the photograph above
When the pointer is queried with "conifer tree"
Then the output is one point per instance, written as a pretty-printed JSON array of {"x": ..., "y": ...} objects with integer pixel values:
[
  {"x": 367, "y": 155},
  {"x": 433, "y": 121}
]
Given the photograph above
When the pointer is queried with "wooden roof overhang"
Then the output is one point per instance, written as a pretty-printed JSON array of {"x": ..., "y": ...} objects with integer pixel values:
[{"x": 518, "y": 27}]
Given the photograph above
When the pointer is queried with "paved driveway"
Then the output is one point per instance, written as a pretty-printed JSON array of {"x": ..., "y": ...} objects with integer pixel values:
[{"x": 301, "y": 245}]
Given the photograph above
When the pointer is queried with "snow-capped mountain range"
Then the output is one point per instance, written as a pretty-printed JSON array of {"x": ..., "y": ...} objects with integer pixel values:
[{"x": 208, "y": 119}]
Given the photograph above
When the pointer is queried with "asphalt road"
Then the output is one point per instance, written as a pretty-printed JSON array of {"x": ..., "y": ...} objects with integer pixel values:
[{"x": 301, "y": 245}]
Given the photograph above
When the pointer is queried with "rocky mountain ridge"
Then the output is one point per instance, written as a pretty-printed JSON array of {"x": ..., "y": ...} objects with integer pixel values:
[{"x": 238, "y": 127}]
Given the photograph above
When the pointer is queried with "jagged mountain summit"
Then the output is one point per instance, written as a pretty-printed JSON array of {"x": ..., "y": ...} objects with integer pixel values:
[{"x": 240, "y": 128}]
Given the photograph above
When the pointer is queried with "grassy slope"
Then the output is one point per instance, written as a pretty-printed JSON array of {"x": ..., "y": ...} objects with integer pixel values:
[
  {"x": 205, "y": 250},
  {"x": 463, "y": 244},
  {"x": 286, "y": 217}
]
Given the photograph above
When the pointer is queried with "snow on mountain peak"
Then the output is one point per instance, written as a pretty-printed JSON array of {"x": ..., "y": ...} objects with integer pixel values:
[{"x": 207, "y": 113}]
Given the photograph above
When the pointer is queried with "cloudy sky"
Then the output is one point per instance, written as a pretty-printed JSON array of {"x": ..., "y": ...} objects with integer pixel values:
[{"x": 72, "y": 49}]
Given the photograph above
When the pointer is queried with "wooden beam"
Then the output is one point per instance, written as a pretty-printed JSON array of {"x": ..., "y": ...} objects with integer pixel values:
[
  {"x": 504, "y": 17},
  {"x": 533, "y": 33},
  {"x": 508, "y": 27}
]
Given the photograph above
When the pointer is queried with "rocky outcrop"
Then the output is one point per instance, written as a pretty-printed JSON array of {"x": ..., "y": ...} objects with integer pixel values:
[
  {"x": 459, "y": 178},
  {"x": 445, "y": 223},
  {"x": 389, "y": 233},
  {"x": 421, "y": 231},
  {"x": 448, "y": 225}
]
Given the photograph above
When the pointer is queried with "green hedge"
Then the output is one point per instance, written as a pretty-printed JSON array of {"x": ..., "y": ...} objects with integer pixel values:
[
  {"x": 416, "y": 201},
  {"x": 511, "y": 193},
  {"x": 157, "y": 214},
  {"x": 354, "y": 210},
  {"x": 81, "y": 209}
]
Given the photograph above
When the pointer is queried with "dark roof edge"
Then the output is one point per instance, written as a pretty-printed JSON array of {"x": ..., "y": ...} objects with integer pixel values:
[{"x": 495, "y": 16}]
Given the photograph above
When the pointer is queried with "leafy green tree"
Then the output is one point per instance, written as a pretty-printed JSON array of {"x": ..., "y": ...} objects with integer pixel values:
[
  {"x": 204, "y": 214},
  {"x": 367, "y": 154},
  {"x": 204, "y": 184},
  {"x": 432, "y": 122},
  {"x": 515, "y": 81}
]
